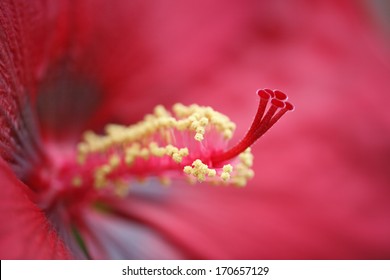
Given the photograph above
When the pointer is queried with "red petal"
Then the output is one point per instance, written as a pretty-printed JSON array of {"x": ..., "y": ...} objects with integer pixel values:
[
  {"x": 26, "y": 45},
  {"x": 108, "y": 236},
  {"x": 33, "y": 34},
  {"x": 321, "y": 187},
  {"x": 25, "y": 232},
  {"x": 35, "y": 40}
]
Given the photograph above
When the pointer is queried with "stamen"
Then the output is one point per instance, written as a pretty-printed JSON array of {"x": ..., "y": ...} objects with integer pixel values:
[
  {"x": 261, "y": 123},
  {"x": 189, "y": 141}
]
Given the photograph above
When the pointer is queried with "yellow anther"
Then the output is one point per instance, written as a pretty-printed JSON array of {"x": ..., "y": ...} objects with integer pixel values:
[
  {"x": 105, "y": 169},
  {"x": 183, "y": 152},
  {"x": 246, "y": 157},
  {"x": 228, "y": 168},
  {"x": 211, "y": 173},
  {"x": 227, "y": 134},
  {"x": 149, "y": 117},
  {"x": 82, "y": 148},
  {"x": 198, "y": 137},
  {"x": 192, "y": 119},
  {"x": 197, "y": 113},
  {"x": 144, "y": 153},
  {"x": 183, "y": 124},
  {"x": 193, "y": 108},
  {"x": 197, "y": 163},
  {"x": 225, "y": 176},
  {"x": 129, "y": 159},
  {"x": 90, "y": 137},
  {"x": 203, "y": 168},
  {"x": 199, "y": 170},
  {"x": 160, "y": 111},
  {"x": 100, "y": 183},
  {"x": 170, "y": 150},
  {"x": 180, "y": 110},
  {"x": 177, "y": 157},
  {"x": 114, "y": 161},
  {"x": 100, "y": 179},
  {"x": 250, "y": 174},
  {"x": 203, "y": 121},
  {"x": 113, "y": 129},
  {"x": 133, "y": 150},
  {"x": 153, "y": 145},
  {"x": 194, "y": 125},
  {"x": 201, "y": 177},
  {"x": 155, "y": 150},
  {"x": 187, "y": 169},
  {"x": 165, "y": 122},
  {"x": 100, "y": 176},
  {"x": 200, "y": 129},
  {"x": 161, "y": 152}
]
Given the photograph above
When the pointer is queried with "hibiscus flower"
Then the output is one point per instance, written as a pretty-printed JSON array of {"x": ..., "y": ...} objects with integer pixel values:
[
  {"x": 77, "y": 190},
  {"x": 72, "y": 67}
]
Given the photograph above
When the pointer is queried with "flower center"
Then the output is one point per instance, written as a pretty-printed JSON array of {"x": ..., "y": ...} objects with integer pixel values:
[{"x": 189, "y": 142}]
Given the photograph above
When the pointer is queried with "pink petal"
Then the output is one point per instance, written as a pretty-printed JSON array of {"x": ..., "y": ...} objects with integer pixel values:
[{"x": 25, "y": 233}]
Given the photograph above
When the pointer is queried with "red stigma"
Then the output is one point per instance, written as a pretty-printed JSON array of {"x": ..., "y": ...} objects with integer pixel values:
[{"x": 272, "y": 106}]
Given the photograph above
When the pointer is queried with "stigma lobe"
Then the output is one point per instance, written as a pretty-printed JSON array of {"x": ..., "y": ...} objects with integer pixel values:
[{"x": 272, "y": 106}]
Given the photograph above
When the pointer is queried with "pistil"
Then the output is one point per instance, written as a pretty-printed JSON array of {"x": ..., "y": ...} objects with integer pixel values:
[{"x": 277, "y": 104}]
